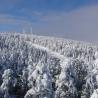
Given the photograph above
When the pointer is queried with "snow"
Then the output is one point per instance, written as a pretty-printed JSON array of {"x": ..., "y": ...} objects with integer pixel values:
[
  {"x": 42, "y": 67},
  {"x": 95, "y": 94}
]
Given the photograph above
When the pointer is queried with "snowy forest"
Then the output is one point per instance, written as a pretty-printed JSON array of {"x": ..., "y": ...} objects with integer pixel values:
[{"x": 45, "y": 67}]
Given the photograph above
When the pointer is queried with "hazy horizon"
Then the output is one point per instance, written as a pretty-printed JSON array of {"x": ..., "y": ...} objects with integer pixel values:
[{"x": 70, "y": 19}]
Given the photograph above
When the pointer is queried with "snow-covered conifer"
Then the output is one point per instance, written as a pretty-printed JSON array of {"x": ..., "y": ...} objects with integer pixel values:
[
  {"x": 8, "y": 83},
  {"x": 40, "y": 82}
]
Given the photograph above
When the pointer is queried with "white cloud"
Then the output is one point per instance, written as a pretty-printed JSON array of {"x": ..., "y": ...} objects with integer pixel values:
[
  {"x": 81, "y": 24},
  {"x": 10, "y": 19}
]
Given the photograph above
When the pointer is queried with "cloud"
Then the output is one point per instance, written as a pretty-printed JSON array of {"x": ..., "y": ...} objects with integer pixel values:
[
  {"x": 10, "y": 23},
  {"x": 10, "y": 19},
  {"x": 80, "y": 24}
]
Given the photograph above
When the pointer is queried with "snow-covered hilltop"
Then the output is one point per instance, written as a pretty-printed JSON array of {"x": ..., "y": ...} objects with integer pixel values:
[{"x": 44, "y": 67}]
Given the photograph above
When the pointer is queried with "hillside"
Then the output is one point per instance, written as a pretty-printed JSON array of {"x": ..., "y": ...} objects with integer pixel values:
[{"x": 45, "y": 67}]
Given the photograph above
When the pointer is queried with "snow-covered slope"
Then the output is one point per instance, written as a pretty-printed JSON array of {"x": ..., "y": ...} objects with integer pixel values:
[{"x": 45, "y": 67}]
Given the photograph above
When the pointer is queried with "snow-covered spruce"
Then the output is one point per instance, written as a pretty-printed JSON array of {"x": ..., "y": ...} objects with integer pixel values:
[
  {"x": 42, "y": 67},
  {"x": 95, "y": 94},
  {"x": 40, "y": 83}
]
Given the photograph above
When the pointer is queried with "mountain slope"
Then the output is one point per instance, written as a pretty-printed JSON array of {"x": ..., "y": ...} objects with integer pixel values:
[{"x": 43, "y": 67}]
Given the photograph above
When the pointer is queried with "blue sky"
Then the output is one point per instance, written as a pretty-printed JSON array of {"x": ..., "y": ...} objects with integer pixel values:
[{"x": 73, "y": 19}]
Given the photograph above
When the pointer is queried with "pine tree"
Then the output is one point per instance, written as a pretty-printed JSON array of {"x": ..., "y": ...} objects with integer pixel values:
[
  {"x": 40, "y": 82},
  {"x": 8, "y": 83}
]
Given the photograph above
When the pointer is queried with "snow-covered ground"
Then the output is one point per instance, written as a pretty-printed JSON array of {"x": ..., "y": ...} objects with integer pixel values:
[{"x": 45, "y": 67}]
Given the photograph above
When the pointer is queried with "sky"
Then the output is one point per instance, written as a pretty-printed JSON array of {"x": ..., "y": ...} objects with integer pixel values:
[{"x": 71, "y": 19}]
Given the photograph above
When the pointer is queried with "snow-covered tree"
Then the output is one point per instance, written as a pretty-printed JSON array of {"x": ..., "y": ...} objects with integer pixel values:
[
  {"x": 65, "y": 84},
  {"x": 78, "y": 71},
  {"x": 8, "y": 83},
  {"x": 40, "y": 82},
  {"x": 47, "y": 67},
  {"x": 24, "y": 80},
  {"x": 95, "y": 94}
]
